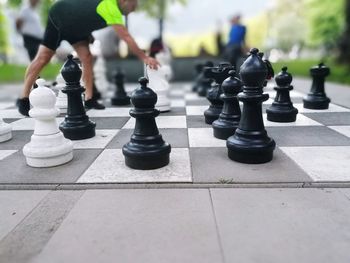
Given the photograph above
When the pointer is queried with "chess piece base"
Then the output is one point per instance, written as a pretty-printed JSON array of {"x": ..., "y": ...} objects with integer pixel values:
[
  {"x": 281, "y": 115},
  {"x": 146, "y": 160},
  {"x": 212, "y": 114},
  {"x": 48, "y": 151},
  {"x": 316, "y": 103},
  {"x": 222, "y": 130},
  {"x": 251, "y": 148},
  {"x": 5, "y": 132},
  {"x": 78, "y": 132}
]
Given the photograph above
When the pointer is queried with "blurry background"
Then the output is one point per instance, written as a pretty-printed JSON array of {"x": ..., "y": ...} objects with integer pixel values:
[{"x": 300, "y": 33}]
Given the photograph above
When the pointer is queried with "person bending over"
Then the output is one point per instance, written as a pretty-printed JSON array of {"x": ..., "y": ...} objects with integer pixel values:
[{"x": 74, "y": 21}]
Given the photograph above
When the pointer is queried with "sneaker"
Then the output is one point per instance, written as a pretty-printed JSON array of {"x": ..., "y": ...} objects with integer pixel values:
[
  {"x": 94, "y": 104},
  {"x": 23, "y": 106}
]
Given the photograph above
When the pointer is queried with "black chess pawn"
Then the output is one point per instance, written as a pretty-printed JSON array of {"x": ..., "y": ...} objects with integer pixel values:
[
  {"x": 120, "y": 97},
  {"x": 76, "y": 125},
  {"x": 198, "y": 71},
  {"x": 230, "y": 116},
  {"x": 219, "y": 74},
  {"x": 250, "y": 143},
  {"x": 282, "y": 109},
  {"x": 316, "y": 98},
  {"x": 146, "y": 149},
  {"x": 204, "y": 83}
]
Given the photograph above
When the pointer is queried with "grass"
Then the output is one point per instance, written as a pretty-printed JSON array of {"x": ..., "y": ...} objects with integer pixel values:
[
  {"x": 15, "y": 73},
  {"x": 301, "y": 68}
]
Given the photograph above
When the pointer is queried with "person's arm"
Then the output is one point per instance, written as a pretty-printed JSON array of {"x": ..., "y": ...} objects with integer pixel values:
[
  {"x": 125, "y": 35},
  {"x": 19, "y": 24}
]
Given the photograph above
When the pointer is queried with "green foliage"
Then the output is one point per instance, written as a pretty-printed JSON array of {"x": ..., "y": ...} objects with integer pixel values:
[
  {"x": 3, "y": 33},
  {"x": 15, "y": 73},
  {"x": 14, "y": 3},
  {"x": 339, "y": 73},
  {"x": 157, "y": 8},
  {"x": 326, "y": 21},
  {"x": 44, "y": 9}
]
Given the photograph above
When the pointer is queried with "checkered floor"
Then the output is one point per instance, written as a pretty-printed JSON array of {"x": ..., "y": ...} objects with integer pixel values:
[{"x": 314, "y": 148}]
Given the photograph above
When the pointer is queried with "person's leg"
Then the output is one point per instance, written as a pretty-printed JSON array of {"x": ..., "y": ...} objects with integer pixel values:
[
  {"x": 84, "y": 54},
  {"x": 42, "y": 58}
]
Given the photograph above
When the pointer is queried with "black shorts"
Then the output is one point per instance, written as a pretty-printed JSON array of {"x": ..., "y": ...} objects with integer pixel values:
[{"x": 54, "y": 35}]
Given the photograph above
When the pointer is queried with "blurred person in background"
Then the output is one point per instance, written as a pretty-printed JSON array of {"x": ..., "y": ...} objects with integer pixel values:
[
  {"x": 236, "y": 47},
  {"x": 29, "y": 26}
]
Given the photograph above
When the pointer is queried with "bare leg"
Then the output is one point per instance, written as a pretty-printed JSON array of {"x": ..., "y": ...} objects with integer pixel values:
[
  {"x": 84, "y": 54},
  {"x": 42, "y": 58}
]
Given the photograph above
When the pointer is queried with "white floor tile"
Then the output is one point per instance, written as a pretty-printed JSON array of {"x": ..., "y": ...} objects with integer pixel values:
[
  {"x": 192, "y": 96},
  {"x": 203, "y": 137},
  {"x": 177, "y": 103},
  {"x": 301, "y": 120},
  {"x": 5, "y": 105},
  {"x": 110, "y": 167},
  {"x": 332, "y": 108},
  {"x": 109, "y": 112},
  {"x": 326, "y": 163},
  {"x": 100, "y": 141},
  {"x": 177, "y": 92},
  {"x": 345, "y": 130},
  {"x": 6, "y": 153},
  {"x": 196, "y": 110},
  {"x": 162, "y": 122},
  {"x": 12, "y": 113}
]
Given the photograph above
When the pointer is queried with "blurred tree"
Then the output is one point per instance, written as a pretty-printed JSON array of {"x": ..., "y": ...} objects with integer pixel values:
[
  {"x": 158, "y": 9},
  {"x": 286, "y": 24},
  {"x": 3, "y": 35},
  {"x": 326, "y": 22},
  {"x": 344, "y": 41}
]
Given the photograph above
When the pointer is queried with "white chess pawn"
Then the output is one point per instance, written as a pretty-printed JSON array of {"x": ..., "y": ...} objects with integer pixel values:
[
  {"x": 5, "y": 131},
  {"x": 47, "y": 147},
  {"x": 62, "y": 101},
  {"x": 160, "y": 85},
  {"x": 100, "y": 77}
]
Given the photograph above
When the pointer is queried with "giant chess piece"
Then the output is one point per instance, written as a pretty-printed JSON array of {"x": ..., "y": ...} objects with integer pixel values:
[
  {"x": 120, "y": 97},
  {"x": 164, "y": 59},
  {"x": 100, "y": 76},
  {"x": 282, "y": 109},
  {"x": 219, "y": 74},
  {"x": 160, "y": 85},
  {"x": 230, "y": 116},
  {"x": 316, "y": 98},
  {"x": 62, "y": 100},
  {"x": 76, "y": 125},
  {"x": 5, "y": 131},
  {"x": 198, "y": 71},
  {"x": 250, "y": 143},
  {"x": 204, "y": 83},
  {"x": 146, "y": 149},
  {"x": 47, "y": 146}
]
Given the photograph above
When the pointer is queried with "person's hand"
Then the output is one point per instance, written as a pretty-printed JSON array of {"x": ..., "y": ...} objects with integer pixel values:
[{"x": 151, "y": 62}]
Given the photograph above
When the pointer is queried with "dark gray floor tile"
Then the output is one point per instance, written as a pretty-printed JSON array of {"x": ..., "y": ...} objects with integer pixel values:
[
  {"x": 197, "y": 122},
  {"x": 213, "y": 165},
  {"x": 307, "y": 136},
  {"x": 19, "y": 139},
  {"x": 109, "y": 122},
  {"x": 14, "y": 169},
  {"x": 330, "y": 118},
  {"x": 174, "y": 111}
]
